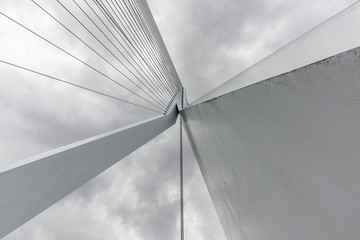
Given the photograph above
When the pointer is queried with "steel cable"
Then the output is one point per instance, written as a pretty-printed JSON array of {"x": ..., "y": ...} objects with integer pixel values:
[
  {"x": 153, "y": 90},
  {"x": 147, "y": 34},
  {"x": 76, "y": 85},
  {"x": 136, "y": 34},
  {"x": 132, "y": 39},
  {"x": 111, "y": 54},
  {"x": 76, "y": 58},
  {"x": 144, "y": 67}
]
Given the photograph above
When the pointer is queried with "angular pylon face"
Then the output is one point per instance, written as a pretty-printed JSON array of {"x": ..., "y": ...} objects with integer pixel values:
[
  {"x": 277, "y": 144},
  {"x": 32, "y": 185},
  {"x": 280, "y": 157}
]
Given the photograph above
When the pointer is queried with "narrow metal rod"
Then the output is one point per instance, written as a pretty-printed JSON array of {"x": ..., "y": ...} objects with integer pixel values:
[{"x": 181, "y": 184}]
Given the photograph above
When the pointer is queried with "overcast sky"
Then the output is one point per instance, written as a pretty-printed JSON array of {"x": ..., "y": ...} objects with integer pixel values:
[{"x": 209, "y": 42}]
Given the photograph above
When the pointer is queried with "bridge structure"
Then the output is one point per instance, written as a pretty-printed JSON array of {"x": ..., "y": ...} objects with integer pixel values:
[{"x": 277, "y": 144}]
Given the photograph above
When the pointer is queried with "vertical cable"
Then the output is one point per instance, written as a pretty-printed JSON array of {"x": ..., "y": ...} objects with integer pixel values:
[{"x": 181, "y": 185}]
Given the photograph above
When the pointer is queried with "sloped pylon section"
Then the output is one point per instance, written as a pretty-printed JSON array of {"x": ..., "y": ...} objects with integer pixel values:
[
  {"x": 336, "y": 35},
  {"x": 34, "y": 184},
  {"x": 281, "y": 158}
]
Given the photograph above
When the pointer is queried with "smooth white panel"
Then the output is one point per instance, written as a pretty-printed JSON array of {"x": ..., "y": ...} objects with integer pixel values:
[
  {"x": 281, "y": 158},
  {"x": 32, "y": 185}
]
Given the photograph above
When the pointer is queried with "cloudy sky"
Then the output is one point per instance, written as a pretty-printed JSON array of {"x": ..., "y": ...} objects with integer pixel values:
[{"x": 209, "y": 42}]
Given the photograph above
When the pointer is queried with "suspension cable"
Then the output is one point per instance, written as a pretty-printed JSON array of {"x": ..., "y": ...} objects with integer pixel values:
[
  {"x": 143, "y": 66},
  {"x": 145, "y": 51},
  {"x": 75, "y": 85},
  {"x": 112, "y": 43},
  {"x": 78, "y": 59},
  {"x": 128, "y": 78}
]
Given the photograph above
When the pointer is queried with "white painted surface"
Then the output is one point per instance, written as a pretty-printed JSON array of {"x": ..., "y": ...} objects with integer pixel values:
[
  {"x": 338, "y": 34},
  {"x": 281, "y": 158},
  {"x": 32, "y": 185}
]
